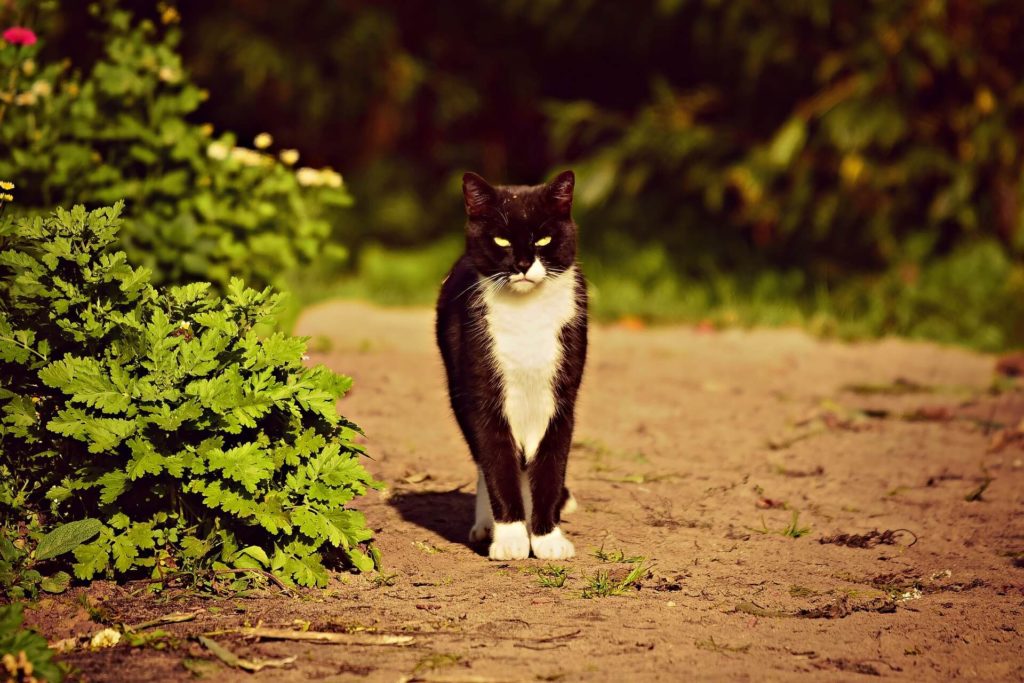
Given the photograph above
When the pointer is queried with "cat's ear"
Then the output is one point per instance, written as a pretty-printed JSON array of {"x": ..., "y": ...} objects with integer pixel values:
[
  {"x": 559, "y": 193},
  {"x": 479, "y": 196}
]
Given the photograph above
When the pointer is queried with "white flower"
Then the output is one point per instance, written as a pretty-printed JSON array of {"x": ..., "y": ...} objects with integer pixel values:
[
  {"x": 218, "y": 151},
  {"x": 42, "y": 88},
  {"x": 263, "y": 140},
  {"x": 309, "y": 177},
  {"x": 167, "y": 74},
  {"x": 289, "y": 156},
  {"x": 108, "y": 637},
  {"x": 247, "y": 157},
  {"x": 330, "y": 178}
]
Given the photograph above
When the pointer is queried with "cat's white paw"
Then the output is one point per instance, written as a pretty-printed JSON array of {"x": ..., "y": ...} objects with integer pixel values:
[
  {"x": 553, "y": 546},
  {"x": 480, "y": 531},
  {"x": 511, "y": 541}
]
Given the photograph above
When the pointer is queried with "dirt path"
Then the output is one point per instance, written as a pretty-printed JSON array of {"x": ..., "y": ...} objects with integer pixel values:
[{"x": 690, "y": 447}]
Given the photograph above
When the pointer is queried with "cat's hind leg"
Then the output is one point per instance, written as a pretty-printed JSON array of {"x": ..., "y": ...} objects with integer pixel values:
[
  {"x": 483, "y": 526},
  {"x": 569, "y": 504}
]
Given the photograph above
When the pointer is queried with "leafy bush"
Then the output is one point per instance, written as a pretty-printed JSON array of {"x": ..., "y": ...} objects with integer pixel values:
[
  {"x": 162, "y": 415},
  {"x": 826, "y": 136},
  {"x": 754, "y": 154},
  {"x": 24, "y": 654},
  {"x": 201, "y": 207}
]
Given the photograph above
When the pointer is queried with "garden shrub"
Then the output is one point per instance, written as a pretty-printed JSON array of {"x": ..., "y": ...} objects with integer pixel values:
[
  {"x": 160, "y": 421},
  {"x": 202, "y": 208},
  {"x": 24, "y": 654},
  {"x": 798, "y": 149}
]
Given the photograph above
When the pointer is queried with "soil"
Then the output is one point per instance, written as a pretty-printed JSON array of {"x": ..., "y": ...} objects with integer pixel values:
[{"x": 694, "y": 450}]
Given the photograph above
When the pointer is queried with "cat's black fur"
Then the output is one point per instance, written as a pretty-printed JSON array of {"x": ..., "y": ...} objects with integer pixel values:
[{"x": 522, "y": 215}]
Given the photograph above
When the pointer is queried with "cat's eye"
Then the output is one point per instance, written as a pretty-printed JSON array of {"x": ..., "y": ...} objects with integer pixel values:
[
  {"x": 502, "y": 242},
  {"x": 543, "y": 241}
]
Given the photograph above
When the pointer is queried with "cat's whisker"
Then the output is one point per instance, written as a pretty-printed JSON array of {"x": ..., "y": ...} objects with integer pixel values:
[{"x": 479, "y": 283}]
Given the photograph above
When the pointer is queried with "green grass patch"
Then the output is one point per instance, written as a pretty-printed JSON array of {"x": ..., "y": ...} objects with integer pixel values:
[
  {"x": 967, "y": 297},
  {"x": 603, "y": 584}
]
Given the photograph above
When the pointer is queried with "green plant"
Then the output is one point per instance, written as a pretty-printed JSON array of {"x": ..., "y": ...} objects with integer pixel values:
[
  {"x": 177, "y": 419},
  {"x": 792, "y": 529},
  {"x": 24, "y": 654},
  {"x": 25, "y": 550},
  {"x": 853, "y": 168},
  {"x": 552, "y": 576},
  {"x": 603, "y": 584},
  {"x": 615, "y": 556},
  {"x": 202, "y": 207}
]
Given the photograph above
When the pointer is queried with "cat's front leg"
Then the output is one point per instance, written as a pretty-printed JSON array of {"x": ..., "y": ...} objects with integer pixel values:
[
  {"x": 504, "y": 478},
  {"x": 547, "y": 491}
]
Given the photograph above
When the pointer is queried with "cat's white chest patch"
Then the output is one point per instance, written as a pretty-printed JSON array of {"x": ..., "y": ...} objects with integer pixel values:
[{"x": 524, "y": 330}]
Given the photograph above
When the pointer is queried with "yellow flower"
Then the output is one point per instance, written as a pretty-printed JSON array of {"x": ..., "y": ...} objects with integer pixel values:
[
  {"x": 248, "y": 157},
  {"x": 206, "y": 129},
  {"x": 6, "y": 185},
  {"x": 42, "y": 88},
  {"x": 169, "y": 15},
  {"x": 108, "y": 637},
  {"x": 25, "y": 99},
  {"x": 308, "y": 177},
  {"x": 985, "y": 101},
  {"x": 330, "y": 178},
  {"x": 218, "y": 151},
  {"x": 6, "y": 197},
  {"x": 263, "y": 140},
  {"x": 29, "y": 67},
  {"x": 289, "y": 156},
  {"x": 851, "y": 168},
  {"x": 167, "y": 75}
]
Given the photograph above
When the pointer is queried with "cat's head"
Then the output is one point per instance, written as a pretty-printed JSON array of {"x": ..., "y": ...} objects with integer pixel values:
[{"x": 518, "y": 235}]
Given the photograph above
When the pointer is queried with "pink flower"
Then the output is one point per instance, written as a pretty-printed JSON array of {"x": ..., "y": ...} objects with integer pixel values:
[{"x": 19, "y": 35}]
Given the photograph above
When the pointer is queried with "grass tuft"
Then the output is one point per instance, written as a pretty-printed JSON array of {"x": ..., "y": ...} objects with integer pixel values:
[
  {"x": 603, "y": 585},
  {"x": 552, "y": 576}
]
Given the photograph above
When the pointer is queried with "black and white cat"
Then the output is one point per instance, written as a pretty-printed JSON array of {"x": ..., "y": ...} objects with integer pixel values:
[{"x": 512, "y": 327}]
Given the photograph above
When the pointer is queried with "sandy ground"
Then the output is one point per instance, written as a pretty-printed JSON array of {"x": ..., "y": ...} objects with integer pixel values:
[{"x": 694, "y": 450}]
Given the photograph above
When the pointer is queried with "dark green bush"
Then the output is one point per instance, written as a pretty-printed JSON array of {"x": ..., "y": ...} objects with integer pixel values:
[
  {"x": 155, "y": 430},
  {"x": 835, "y": 137},
  {"x": 202, "y": 208},
  {"x": 767, "y": 154}
]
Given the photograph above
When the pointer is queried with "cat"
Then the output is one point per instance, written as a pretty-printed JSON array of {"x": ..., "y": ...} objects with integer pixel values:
[{"x": 512, "y": 330}]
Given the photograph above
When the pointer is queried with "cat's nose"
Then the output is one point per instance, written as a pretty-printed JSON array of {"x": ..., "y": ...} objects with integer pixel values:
[{"x": 523, "y": 265}]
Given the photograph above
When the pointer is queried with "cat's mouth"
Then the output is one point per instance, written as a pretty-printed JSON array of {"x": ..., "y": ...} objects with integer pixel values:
[{"x": 521, "y": 283}]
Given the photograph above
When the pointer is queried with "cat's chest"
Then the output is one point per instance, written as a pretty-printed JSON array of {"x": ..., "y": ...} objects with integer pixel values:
[{"x": 525, "y": 336}]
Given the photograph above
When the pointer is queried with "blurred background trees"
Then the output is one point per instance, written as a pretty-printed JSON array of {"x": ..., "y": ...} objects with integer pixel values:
[{"x": 855, "y": 166}]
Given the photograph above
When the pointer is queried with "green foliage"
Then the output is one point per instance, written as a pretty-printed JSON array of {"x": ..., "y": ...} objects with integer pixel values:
[
  {"x": 616, "y": 556},
  {"x": 159, "y": 425},
  {"x": 201, "y": 207},
  {"x": 552, "y": 576},
  {"x": 833, "y": 164},
  {"x": 603, "y": 584},
  {"x": 791, "y": 530},
  {"x": 969, "y": 296},
  {"x": 24, "y": 654}
]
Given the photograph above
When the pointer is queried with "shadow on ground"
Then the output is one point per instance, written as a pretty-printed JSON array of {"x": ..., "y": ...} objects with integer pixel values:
[{"x": 448, "y": 514}]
